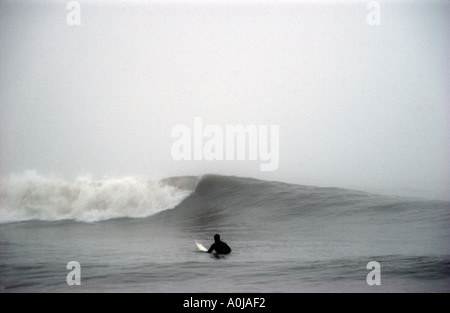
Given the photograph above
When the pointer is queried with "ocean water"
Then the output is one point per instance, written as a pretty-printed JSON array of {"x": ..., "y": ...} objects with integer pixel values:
[{"x": 138, "y": 235}]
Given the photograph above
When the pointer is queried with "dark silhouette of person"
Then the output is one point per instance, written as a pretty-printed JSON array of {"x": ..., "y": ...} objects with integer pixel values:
[{"x": 220, "y": 246}]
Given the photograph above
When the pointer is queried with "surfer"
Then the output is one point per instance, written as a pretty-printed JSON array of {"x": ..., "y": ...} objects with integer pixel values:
[{"x": 220, "y": 246}]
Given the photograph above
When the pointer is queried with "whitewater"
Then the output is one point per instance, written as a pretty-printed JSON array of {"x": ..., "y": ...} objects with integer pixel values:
[
  {"x": 134, "y": 234},
  {"x": 34, "y": 197}
]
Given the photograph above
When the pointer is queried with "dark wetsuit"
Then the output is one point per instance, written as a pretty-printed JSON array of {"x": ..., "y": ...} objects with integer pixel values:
[{"x": 220, "y": 247}]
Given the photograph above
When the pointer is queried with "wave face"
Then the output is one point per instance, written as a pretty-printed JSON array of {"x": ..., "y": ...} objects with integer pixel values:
[
  {"x": 272, "y": 201},
  {"x": 34, "y": 197}
]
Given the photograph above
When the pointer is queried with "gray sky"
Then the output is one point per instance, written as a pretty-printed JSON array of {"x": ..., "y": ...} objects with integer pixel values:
[{"x": 358, "y": 106}]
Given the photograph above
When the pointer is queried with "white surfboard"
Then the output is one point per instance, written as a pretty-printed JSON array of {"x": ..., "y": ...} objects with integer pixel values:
[{"x": 201, "y": 247}]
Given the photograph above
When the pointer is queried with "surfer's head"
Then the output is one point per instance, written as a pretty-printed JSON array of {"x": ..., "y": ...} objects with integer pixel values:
[{"x": 216, "y": 237}]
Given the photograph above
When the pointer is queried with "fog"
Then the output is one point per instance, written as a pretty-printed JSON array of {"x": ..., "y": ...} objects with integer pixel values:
[{"x": 358, "y": 106}]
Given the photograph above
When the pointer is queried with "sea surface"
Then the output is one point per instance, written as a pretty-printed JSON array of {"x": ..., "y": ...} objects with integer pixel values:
[{"x": 138, "y": 235}]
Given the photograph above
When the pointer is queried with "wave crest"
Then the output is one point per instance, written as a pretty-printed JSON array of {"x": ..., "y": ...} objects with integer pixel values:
[{"x": 30, "y": 196}]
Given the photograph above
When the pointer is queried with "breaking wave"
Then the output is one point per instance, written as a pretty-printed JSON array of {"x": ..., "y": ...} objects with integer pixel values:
[{"x": 31, "y": 196}]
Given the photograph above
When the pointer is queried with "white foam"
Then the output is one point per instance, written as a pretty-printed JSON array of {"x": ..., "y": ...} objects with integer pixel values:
[{"x": 30, "y": 196}]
